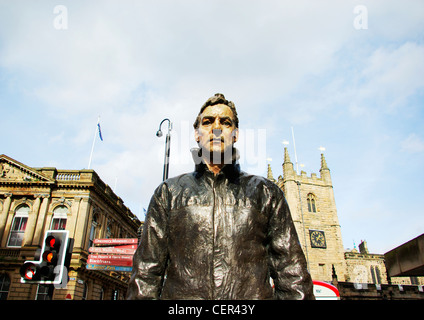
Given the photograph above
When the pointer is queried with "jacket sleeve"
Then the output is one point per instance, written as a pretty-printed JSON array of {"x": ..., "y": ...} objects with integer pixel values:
[
  {"x": 288, "y": 266},
  {"x": 150, "y": 258}
]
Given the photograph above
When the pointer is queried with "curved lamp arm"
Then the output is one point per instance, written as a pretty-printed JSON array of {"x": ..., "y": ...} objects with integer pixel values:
[
  {"x": 167, "y": 146},
  {"x": 159, "y": 132}
]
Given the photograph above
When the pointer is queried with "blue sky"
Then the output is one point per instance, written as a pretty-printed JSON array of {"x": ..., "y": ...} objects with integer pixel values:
[{"x": 306, "y": 65}]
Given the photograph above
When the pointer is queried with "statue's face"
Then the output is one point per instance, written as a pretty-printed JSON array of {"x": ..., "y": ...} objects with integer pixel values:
[{"x": 217, "y": 131}]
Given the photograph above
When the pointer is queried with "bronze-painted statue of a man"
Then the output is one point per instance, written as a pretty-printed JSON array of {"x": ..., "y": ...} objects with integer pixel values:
[{"x": 218, "y": 232}]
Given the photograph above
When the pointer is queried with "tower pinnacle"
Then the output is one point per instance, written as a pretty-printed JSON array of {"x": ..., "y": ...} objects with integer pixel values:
[
  {"x": 323, "y": 162},
  {"x": 286, "y": 156},
  {"x": 269, "y": 175},
  {"x": 288, "y": 171},
  {"x": 325, "y": 171}
]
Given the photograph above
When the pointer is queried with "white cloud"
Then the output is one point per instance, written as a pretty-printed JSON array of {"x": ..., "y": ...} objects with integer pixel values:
[
  {"x": 413, "y": 144},
  {"x": 392, "y": 75}
]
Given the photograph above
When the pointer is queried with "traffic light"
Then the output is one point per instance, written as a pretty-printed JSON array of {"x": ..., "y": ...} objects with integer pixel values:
[{"x": 50, "y": 267}]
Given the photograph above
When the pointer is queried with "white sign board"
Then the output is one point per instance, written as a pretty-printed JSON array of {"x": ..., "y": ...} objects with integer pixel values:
[{"x": 325, "y": 291}]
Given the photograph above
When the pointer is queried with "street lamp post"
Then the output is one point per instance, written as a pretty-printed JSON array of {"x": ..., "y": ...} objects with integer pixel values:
[{"x": 167, "y": 147}]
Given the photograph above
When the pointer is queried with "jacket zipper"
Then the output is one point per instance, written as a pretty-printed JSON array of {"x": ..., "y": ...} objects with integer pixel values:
[{"x": 213, "y": 239}]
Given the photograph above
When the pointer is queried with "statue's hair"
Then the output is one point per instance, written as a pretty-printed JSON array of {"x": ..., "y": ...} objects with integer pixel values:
[{"x": 218, "y": 98}]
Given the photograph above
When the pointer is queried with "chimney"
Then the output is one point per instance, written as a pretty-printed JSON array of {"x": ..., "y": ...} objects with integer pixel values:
[{"x": 363, "y": 247}]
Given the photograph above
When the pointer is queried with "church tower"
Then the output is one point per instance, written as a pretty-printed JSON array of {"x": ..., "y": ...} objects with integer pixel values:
[{"x": 313, "y": 209}]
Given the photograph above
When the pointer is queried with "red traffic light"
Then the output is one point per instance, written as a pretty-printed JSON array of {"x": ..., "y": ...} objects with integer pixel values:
[{"x": 52, "y": 242}]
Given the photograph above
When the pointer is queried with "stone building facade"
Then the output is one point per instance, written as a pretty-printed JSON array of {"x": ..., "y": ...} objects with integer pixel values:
[
  {"x": 33, "y": 200},
  {"x": 365, "y": 267}
]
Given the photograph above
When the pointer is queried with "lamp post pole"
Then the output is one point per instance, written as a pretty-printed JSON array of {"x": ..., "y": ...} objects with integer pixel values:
[{"x": 167, "y": 146}]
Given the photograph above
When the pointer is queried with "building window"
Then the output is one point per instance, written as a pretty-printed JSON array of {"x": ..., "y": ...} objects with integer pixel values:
[
  {"x": 115, "y": 294},
  {"x": 311, "y": 203},
  {"x": 109, "y": 230},
  {"x": 60, "y": 215},
  {"x": 375, "y": 275},
  {"x": 85, "y": 291},
  {"x": 93, "y": 231},
  {"x": 321, "y": 270},
  {"x": 19, "y": 224},
  {"x": 44, "y": 292},
  {"x": 4, "y": 286},
  {"x": 414, "y": 280}
]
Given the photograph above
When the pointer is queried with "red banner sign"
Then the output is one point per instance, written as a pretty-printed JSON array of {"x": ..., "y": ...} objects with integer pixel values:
[
  {"x": 115, "y": 242},
  {"x": 122, "y": 257},
  {"x": 118, "y": 250},
  {"x": 110, "y": 262}
]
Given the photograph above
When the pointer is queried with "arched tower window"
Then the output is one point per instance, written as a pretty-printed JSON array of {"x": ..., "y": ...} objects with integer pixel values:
[{"x": 311, "y": 200}]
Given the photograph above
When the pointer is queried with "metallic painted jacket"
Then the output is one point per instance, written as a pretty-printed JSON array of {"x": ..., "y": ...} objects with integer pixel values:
[{"x": 219, "y": 237}]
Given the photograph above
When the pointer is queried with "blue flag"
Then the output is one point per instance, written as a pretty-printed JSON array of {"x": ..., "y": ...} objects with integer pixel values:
[{"x": 100, "y": 131}]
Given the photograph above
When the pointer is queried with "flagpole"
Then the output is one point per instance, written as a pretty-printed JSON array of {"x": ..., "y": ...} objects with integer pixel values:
[
  {"x": 114, "y": 187},
  {"x": 94, "y": 142},
  {"x": 295, "y": 154}
]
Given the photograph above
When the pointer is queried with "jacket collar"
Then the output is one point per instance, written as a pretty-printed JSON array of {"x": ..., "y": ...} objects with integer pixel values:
[{"x": 230, "y": 171}]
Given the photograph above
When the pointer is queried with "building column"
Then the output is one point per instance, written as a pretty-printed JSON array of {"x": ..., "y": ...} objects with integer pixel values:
[
  {"x": 89, "y": 222},
  {"x": 5, "y": 212},
  {"x": 103, "y": 226},
  {"x": 40, "y": 223},
  {"x": 32, "y": 221},
  {"x": 81, "y": 224},
  {"x": 73, "y": 217}
]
